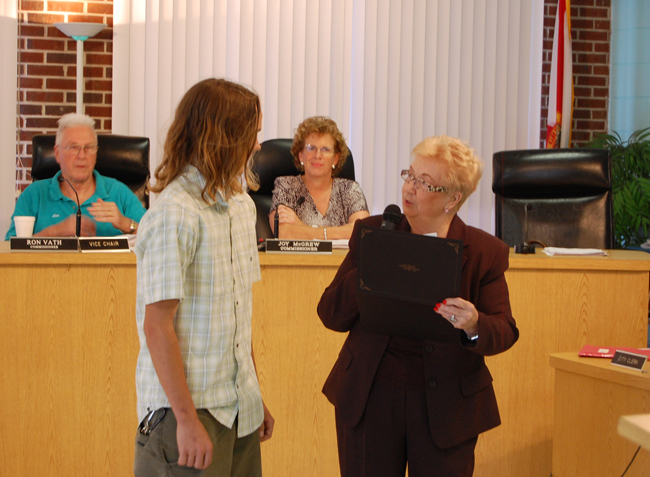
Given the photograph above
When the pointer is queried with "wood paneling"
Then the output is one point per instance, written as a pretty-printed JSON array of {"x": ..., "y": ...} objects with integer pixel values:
[
  {"x": 556, "y": 310},
  {"x": 69, "y": 346},
  {"x": 590, "y": 397},
  {"x": 67, "y": 353},
  {"x": 294, "y": 353}
]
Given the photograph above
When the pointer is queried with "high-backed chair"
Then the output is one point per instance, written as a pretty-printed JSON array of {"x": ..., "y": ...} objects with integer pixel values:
[
  {"x": 568, "y": 194},
  {"x": 275, "y": 160},
  {"x": 125, "y": 158}
]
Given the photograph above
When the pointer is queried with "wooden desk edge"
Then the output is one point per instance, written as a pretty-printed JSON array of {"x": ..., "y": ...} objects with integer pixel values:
[
  {"x": 624, "y": 260},
  {"x": 333, "y": 259},
  {"x": 628, "y": 260},
  {"x": 7, "y": 257},
  {"x": 635, "y": 427},
  {"x": 600, "y": 368}
]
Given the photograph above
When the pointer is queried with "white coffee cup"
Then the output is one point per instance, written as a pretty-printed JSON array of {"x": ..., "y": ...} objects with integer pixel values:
[{"x": 24, "y": 225}]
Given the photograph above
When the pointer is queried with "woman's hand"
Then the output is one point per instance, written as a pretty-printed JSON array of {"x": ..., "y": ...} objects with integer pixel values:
[
  {"x": 462, "y": 314},
  {"x": 287, "y": 216}
]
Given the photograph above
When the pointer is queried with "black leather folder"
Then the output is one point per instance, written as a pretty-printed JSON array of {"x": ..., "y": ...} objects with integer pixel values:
[{"x": 401, "y": 278}]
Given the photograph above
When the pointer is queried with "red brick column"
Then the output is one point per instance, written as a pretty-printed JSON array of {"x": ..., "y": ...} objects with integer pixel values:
[
  {"x": 47, "y": 70},
  {"x": 591, "y": 37}
]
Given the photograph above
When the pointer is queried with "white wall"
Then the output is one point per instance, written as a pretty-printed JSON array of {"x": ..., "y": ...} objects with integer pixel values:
[{"x": 8, "y": 91}]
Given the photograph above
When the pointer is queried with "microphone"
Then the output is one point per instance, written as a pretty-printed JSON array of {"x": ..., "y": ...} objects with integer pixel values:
[
  {"x": 276, "y": 223},
  {"x": 276, "y": 219},
  {"x": 525, "y": 247},
  {"x": 62, "y": 179},
  {"x": 392, "y": 216}
]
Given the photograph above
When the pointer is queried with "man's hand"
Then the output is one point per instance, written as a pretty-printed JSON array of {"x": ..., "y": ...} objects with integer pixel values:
[
  {"x": 266, "y": 429},
  {"x": 68, "y": 228},
  {"x": 194, "y": 444},
  {"x": 109, "y": 212}
]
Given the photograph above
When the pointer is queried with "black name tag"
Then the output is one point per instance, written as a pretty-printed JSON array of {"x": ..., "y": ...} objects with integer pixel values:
[
  {"x": 44, "y": 244},
  {"x": 629, "y": 360},
  {"x": 298, "y": 246},
  {"x": 104, "y": 244}
]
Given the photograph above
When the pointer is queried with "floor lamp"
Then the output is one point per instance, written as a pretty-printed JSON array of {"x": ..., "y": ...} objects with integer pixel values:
[{"x": 80, "y": 31}]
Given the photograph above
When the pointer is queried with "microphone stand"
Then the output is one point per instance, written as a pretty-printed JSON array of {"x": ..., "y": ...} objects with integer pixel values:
[
  {"x": 525, "y": 247},
  {"x": 276, "y": 219},
  {"x": 62, "y": 179},
  {"x": 276, "y": 224}
]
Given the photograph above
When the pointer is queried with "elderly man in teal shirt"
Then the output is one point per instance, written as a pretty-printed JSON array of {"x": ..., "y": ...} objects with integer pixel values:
[{"x": 108, "y": 206}]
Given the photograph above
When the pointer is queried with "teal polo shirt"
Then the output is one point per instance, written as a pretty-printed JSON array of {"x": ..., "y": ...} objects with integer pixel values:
[{"x": 44, "y": 200}]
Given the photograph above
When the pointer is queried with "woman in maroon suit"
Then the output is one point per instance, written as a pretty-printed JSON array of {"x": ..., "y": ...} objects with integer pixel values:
[{"x": 420, "y": 402}]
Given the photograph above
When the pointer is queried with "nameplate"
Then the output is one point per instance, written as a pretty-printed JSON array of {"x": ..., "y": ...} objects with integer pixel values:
[
  {"x": 103, "y": 244},
  {"x": 629, "y": 360},
  {"x": 44, "y": 244},
  {"x": 298, "y": 246}
]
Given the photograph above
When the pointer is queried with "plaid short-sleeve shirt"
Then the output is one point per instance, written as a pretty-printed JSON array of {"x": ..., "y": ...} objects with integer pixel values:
[{"x": 205, "y": 255}]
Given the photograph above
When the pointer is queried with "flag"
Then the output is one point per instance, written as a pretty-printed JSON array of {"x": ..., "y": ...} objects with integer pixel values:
[{"x": 560, "y": 96}]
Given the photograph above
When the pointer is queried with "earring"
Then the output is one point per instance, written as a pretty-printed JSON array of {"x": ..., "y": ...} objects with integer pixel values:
[
  {"x": 333, "y": 166},
  {"x": 446, "y": 211},
  {"x": 302, "y": 164}
]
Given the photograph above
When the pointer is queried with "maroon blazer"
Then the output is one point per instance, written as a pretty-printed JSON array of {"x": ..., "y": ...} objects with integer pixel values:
[{"x": 460, "y": 397}]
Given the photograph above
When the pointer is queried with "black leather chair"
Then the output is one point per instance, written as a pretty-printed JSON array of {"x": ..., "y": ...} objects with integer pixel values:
[
  {"x": 275, "y": 160},
  {"x": 125, "y": 158},
  {"x": 568, "y": 193}
]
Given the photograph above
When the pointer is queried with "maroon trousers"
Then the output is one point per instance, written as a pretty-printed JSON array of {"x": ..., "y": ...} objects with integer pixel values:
[{"x": 395, "y": 431}]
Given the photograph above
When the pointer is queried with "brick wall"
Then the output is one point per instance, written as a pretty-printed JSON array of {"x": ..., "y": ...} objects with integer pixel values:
[
  {"x": 47, "y": 70},
  {"x": 590, "y": 36}
]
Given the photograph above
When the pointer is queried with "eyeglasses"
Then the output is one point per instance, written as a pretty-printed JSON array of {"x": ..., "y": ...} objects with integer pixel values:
[
  {"x": 146, "y": 426},
  {"x": 420, "y": 184},
  {"x": 324, "y": 151},
  {"x": 75, "y": 150}
]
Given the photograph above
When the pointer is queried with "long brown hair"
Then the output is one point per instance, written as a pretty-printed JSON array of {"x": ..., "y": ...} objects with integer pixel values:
[{"x": 214, "y": 129}]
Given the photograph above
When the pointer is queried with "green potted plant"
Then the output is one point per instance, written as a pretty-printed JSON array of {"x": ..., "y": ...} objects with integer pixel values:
[{"x": 630, "y": 184}]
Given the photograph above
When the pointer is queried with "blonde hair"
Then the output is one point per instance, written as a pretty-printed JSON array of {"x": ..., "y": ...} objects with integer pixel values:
[
  {"x": 72, "y": 120},
  {"x": 464, "y": 167},
  {"x": 214, "y": 129},
  {"x": 319, "y": 125}
]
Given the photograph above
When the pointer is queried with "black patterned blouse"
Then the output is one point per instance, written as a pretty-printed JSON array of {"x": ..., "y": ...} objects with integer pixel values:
[{"x": 346, "y": 199}]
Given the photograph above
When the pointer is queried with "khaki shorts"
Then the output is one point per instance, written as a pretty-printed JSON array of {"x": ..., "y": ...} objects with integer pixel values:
[{"x": 157, "y": 454}]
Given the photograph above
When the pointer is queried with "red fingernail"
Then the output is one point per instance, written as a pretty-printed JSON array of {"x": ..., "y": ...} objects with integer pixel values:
[
  {"x": 444, "y": 302},
  {"x": 436, "y": 309}
]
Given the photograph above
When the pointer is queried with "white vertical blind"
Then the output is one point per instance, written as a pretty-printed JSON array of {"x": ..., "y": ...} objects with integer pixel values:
[
  {"x": 8, "y": 130},
  {"x": 461, "y": 68},
  {"x": 389, "y": 73}
]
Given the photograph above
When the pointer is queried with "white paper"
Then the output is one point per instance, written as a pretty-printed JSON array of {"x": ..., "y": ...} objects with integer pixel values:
[{"x": 573, "y": 251}]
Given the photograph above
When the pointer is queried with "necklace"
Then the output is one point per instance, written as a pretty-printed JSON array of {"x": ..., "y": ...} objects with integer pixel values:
[
  {"x": 322, "y": 203},
  {"x": 325, "y": 197}
]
